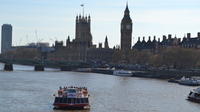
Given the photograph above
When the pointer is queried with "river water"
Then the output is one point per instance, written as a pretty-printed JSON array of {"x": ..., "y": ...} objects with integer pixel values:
[{"x": 24, "y": 90}]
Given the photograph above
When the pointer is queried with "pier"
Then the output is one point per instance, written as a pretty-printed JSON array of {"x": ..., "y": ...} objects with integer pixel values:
[{"x": 8, "y": 67}]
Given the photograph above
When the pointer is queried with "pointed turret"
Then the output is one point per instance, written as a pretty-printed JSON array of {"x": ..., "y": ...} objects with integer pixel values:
[
  {"x": 138, "y": 39},
  {"x": 86, "y": 18},
  {"x": 149, "y": 39},
  {"x": 79, "y": 16},
  {"x": 77, "y": 19},
  {"x": 164, "y": 38},
  {"x": 154, "y": 39},
  {"x": 126, "y": 17},
  {"x": 68, "y": 41},
  {"x": 159, "y": 40},
  {"x": 126, "y": 12},
  {"x": 198, "y": 34},
  {"x": 89, "y": 18},
  {"x": 175, "y": 36},
  {"x": 143, "y": 40},
  {"x": 106, "y": 43}
]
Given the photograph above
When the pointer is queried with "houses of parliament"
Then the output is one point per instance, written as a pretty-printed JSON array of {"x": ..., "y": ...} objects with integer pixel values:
[{"x": 82, "y": 48}]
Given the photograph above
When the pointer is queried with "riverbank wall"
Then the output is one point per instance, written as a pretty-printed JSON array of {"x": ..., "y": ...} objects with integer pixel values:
[{"x": 165, "y": 74}]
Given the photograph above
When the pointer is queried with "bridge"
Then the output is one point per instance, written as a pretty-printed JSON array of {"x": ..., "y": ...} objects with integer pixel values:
[{"x": 40, "y": 64}]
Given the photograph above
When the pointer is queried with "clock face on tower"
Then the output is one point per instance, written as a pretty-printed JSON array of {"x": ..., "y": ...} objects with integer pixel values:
[{"x": 128, "y": 27}]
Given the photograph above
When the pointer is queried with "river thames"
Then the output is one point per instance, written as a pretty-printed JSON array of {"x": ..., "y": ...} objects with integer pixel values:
[{"x": 24, "y": 90}]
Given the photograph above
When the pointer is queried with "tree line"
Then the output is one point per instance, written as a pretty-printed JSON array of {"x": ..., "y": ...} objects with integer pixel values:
[{"x": 173, "y": 57}]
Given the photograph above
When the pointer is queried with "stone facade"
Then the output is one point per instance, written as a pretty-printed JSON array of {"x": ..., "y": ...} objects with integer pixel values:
[
  {"x": 82, "y": 48},
  {"x": 189, "y": 42},
  {"x": 186, "y": 42}
]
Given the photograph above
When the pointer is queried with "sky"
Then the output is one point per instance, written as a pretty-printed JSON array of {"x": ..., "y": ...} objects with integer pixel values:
[{"x": 50, "y": 20}]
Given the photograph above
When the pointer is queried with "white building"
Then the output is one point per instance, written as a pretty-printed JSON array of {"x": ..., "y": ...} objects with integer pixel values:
[{"x": 6, "y": 38}]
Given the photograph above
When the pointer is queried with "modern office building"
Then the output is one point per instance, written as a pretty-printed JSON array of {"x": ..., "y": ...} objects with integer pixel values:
[{"x": 6, "y": 37}]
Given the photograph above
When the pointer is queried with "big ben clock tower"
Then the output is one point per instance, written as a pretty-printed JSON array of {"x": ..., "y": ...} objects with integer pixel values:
[{"x": 126, "y": 31}]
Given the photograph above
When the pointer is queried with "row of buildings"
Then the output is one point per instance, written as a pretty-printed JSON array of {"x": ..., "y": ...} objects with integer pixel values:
[
  {"x": 81, "y": 48},
  {"x": 168, "y": 41}
]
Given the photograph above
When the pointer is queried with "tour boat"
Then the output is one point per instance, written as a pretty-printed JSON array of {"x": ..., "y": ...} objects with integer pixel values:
[
  {"x": 72, "y": 98},
  {"x": 122, "y": 73},
  {"x": 194, "y": 95}
]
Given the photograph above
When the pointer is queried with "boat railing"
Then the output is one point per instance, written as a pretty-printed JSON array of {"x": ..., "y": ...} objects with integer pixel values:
[
  {"x": 75, "y": 92},
  {"x": 71, "y": 100}
]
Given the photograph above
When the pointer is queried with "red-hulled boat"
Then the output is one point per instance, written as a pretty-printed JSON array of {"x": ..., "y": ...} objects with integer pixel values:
[{"x": 72, "y": 98}]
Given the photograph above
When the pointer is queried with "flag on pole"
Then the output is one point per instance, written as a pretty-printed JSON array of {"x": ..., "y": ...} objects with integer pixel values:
[{"x": 82, "y": 5}]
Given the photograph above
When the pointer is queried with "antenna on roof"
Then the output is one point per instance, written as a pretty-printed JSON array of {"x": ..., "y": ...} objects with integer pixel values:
[
  {"x": 20, "y": 41},
  {"x": 36, "y": 35},
  {"x": 27, "y": 39}
]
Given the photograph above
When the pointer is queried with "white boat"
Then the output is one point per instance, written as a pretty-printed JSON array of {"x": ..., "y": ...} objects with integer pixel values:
[
  {"x": 122, "y": 73},
  {"x": 189, "y": 81},
  {"x": 194, "y": 95}
]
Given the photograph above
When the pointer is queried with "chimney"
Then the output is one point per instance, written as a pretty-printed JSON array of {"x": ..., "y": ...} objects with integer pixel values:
[
  {"x": 158, "y": 39},
  {"x": 188, "y": 35},
  {"x": 149, "y": 38},
  {"x": 179, "y": 40},
  {"x": 169, "y": 36},
  {"x": 198, "y": 34},
  {"x": 138, "y": 39},
  {"x": 100, "y": 45},
  {"x": 164, "y": 37},
  {"x": 154, "y": 38},
  {"x": 143, "y": 39}
]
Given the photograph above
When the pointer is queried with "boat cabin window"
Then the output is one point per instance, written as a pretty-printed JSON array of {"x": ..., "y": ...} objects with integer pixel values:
[
  {"x": 86, "y": 100},
  {"x": 78, "y": 100},
  {"x": 82, "y": 101},
  {"x": 61, "y": 100},
  {"x": 57, "y": 100},
  {"x": 197, "y": 95},
  {"x": 65, "y": 100},
  {"x": 73, "y": 100},
  {"x": 71, "y": 91},
  {"x": 69, "y": 100}
]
